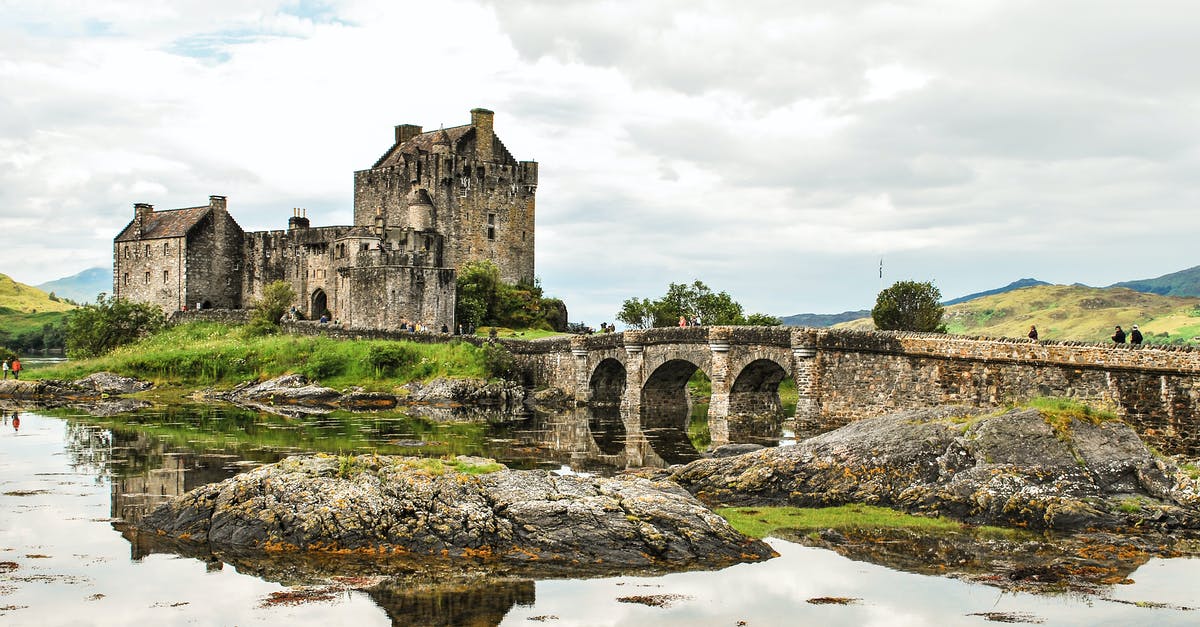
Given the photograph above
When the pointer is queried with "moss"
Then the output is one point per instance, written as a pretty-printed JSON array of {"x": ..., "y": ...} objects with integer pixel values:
[{"x": 759, "y": 522}]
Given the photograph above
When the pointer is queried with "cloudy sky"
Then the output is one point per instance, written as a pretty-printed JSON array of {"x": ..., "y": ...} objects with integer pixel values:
[{"x": 774, "y": 149}]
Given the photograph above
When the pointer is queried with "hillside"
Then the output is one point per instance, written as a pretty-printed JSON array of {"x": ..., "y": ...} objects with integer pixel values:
[
  {"x": 21, "y": 298},
  {"x": 822, "y": 320},
  {"x": 1015, "y": 285},
  {"x": 25, "y": 313},
  {"x": 1182, "y": 283},
  {"x": 1072, "y": 312},
  {"x": 82, "y": 287}
]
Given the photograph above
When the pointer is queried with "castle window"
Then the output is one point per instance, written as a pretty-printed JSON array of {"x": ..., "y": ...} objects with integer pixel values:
[
  {"x": 166, "y": 275},
  {"x": 127, "y": 252},
  {"x": 146, "y": 280},
  {"x": 491, "y": 232},
  {"x": 125, "y": 279},
  {"x": 147, "y": 251},
  {"x": 166, "y": 248}
]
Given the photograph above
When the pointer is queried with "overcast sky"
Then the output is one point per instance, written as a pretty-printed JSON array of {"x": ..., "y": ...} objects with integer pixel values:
[{"x": 774, "y": 149}]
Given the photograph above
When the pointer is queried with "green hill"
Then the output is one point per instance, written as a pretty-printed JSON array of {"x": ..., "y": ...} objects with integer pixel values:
[
  {"x": 25, "y": 313},
  {"x": 1072, "y": 312},
  {"x": 1182, "y": 283}
]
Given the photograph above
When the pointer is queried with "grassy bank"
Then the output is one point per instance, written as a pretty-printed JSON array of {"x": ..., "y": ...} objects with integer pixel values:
[{"x": 204, "y": 353}]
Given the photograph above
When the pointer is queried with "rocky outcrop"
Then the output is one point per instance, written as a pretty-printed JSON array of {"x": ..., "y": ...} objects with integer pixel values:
[
  {"x": 434, "y": 507},
  {"x": 53, "y": 391},
  {"x": 1014, "y": 469},
  {"x": 473, "y": 392}
]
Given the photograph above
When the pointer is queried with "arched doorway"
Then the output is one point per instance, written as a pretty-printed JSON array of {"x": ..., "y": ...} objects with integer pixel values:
[{"x": 319, "y": 304}]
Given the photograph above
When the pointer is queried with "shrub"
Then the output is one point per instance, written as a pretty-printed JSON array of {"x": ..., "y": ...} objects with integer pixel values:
[
  {"x": 324, "y": 365},
  {"x": 387, "y": 358},
  {"x": 93, "y": 330}
]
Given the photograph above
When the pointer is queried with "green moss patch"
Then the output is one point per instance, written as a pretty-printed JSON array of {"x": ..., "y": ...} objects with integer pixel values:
[{"x": 760, "y": 522}]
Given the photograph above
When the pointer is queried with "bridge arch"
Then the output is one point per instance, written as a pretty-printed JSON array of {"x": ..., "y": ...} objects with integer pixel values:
[
  {"x": 607, "y": 383},
  {"x": 755, "y": 411},
  {"x": 665, "y": 410}
]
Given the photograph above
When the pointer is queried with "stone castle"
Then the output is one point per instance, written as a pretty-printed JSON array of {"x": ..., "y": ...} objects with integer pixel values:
[{"x": 432, "y": 203}]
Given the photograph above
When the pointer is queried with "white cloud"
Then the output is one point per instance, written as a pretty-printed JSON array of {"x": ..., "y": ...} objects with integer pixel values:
[{"x": 772, "y": 149}]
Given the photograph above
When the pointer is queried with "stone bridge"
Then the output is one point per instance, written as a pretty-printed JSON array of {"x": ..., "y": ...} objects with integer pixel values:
[{"x": 843, "y": 375}]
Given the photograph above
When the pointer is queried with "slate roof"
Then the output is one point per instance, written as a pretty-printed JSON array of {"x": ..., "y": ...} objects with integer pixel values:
[
  {"x": 166, "y": 223},
  {"x": 424, "y": 142}
]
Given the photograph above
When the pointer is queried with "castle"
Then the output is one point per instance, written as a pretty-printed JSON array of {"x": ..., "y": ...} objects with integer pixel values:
[{"x": 432, "y": 203}]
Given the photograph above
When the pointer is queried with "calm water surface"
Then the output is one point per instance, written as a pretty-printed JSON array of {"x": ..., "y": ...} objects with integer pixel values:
[{"x": 68, "y": 482}]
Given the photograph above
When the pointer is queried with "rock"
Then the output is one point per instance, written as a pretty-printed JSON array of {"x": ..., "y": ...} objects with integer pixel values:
[
  {"x": 112, "y": 383},
  {"x": 552, "y": 398},
  {"x": 729, "y": 450},
  {"x": 468, "y": 392},
  {"x": 426, "y": 506},
  {"x": 1013, "y": 469}
]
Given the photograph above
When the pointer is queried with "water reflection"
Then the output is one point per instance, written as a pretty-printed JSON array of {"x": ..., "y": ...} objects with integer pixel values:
[{"x": 65, "y": 479}]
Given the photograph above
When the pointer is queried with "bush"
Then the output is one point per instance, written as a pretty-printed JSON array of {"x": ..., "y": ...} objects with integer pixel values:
[
  {"x": 324, "y": 365},
  {"x": 909, "y": 306},
  {"x": 387, "y": 358},
  {"x": 499, "y": 361}
]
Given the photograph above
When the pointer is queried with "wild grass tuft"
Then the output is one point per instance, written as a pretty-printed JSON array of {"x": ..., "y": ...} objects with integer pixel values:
[{"x": 759, "y": 522}]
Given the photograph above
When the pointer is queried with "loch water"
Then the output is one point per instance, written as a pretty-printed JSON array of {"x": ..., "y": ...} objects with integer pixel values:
[{"x": 70, "y": 484}]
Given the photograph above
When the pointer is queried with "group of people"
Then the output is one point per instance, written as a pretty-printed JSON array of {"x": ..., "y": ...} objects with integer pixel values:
[
  {"x": 14, "y": 366},
  {"x": 694, "y": 322},
  {"x": 1118, "y": 337},
  {"x": 1135, "y": 336}
]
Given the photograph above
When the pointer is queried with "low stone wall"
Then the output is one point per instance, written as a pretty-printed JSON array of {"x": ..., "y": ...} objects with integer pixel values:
[
  {"x": 1155, "y": 389},
  {"x": 225, "y": 316}
]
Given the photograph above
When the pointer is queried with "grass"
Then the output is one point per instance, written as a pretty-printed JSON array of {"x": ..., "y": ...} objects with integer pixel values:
[
  {"x": 760, "y": 522},
  {"x": 524, "y": 334},
  {"x": 349, "y": 466},
  {"x": 203, "y": 353}
]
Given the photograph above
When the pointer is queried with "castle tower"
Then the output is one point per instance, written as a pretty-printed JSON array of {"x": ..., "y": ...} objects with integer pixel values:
[{"x": 475, "y": 194}]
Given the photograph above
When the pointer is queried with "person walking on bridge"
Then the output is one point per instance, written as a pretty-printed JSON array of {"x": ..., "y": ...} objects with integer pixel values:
[{"x": 16, "y": 367}]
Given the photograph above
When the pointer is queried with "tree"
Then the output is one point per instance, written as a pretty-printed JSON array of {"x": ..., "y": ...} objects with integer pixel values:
[
  {"x": 482, "y": 297},
  {"x": 277, "y": 297},
  {"x": 909, "y": 306},
  {"x": 93, "y": 330},
  {"x": 688, "y": 300}
]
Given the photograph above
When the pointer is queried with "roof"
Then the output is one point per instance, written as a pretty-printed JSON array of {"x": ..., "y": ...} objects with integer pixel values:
[
  {"x": 166, "y": 223},
  {"x": 424, "y": 142}
]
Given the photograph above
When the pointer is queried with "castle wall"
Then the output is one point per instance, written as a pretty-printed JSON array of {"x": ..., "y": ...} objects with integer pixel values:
[
  {"x": 386, "y": 296},
  {"x": 139, "y": 272},
  {"x": 214, "y": 262}
]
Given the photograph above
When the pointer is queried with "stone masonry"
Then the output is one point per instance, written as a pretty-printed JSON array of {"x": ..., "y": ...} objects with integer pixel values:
[{"x": 432, "y": 203}]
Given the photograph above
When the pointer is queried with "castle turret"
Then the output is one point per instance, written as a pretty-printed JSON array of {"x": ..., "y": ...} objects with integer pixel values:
[{"x": 420, "y": 209}]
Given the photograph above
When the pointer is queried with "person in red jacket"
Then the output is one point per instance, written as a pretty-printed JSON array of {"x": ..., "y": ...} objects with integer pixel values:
[{"x": 16, "y": 367}]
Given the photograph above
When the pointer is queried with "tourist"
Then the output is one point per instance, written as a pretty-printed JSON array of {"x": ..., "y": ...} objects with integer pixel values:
[
  {"x": 16, "y": 367},
  {"x": 1135, "y": 336},
  {"x": 324, "y": 319},
  {"x": 682, "y": 322},
  {"x": 696, "y": 320},
  {"x": 445, "y": 329},
  {"x": 1119, "y": 336},
  {"x": 1033, "y": 332},
  {"x": 5, "y": 367}
]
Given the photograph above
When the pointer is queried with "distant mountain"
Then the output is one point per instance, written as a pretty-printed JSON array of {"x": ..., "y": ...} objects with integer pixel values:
[
  {"x": 82, "y": 287},
  {"x": 1182, "y": 283},
  {"x": 1015, "y": 285},
  {"x": 828, "y": 320},
  {"x": 822, "y": 320}
]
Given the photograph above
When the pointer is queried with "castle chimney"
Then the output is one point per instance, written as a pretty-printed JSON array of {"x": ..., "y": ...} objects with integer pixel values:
[
  {"x": 299, "y": 219},
  {"x": 482, "y": 119},
  {"x": 217, "y": 202},
  {"x": 405, "y": 132},
  {"x": 141, "y": 213}
]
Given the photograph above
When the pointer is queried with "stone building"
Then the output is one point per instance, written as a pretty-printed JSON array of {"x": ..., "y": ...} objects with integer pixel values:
[{"x": 433, "y": 202}]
